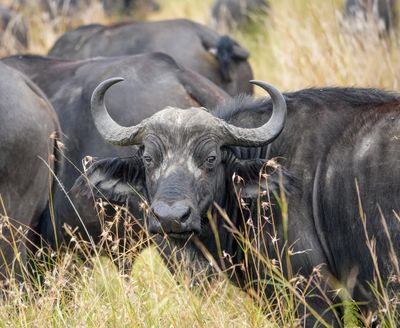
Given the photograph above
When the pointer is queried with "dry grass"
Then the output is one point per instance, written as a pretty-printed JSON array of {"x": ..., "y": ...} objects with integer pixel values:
[
  {"x": 95, "y": 294},
  {"x": 303, "y": 44},
  {"x": 300, "y": 44}
]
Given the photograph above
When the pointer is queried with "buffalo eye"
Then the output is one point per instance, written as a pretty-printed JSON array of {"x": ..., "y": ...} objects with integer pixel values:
[
  {"x": 211, "y": 160},
  {"x": 148, "y": 160}
]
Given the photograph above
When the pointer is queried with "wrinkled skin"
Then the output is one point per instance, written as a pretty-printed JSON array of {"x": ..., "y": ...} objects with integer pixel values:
[
  {"x": 69, "y": 84},
  {"x": 332, "y": 137},
  {"x": 28, "y": 144},
  {"x": 382, "y": 12},
  {"x": 200, "y": 43}
]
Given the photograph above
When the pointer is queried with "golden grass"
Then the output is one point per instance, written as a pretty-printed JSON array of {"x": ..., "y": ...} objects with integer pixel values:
[
  {"x": 301, "y": 44},
  {"x": 73, "y": 295}
]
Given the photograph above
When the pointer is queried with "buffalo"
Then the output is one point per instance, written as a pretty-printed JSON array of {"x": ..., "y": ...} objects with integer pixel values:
[
  {"x": 127, "y": 7},
  {"x": 220, "y": 59},
  {"x": 30, "y": 154},
  {"x": 382, "y": 13},
  {"x": 229, "y": 14},
  {"x": 14, "y": 30},
  {"x": 55, "y": 8},
  {"x": 69, "y": 84},
  {"x": 338, "y": 170}
]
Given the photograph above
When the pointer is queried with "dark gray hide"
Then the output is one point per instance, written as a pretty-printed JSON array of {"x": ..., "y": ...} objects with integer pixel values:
[
  {"x": 28, "y": 132},
  {"x": 192, "y": 45},
  {"x": 332, "y": 137},
  {"x": 55, "y": 8},
  {"x": 13, "y": 29},
  {"x": 69, "y": 85},
  {"x": 228, "y": 14},
  {"x": 383, "y": 13},
  {"x": 129, "y": 7}
]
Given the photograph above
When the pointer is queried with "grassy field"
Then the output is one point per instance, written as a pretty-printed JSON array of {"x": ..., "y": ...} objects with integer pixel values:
[{"x": 300, "y": 44}]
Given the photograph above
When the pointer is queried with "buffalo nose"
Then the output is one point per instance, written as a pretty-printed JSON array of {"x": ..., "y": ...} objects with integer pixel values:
[{"x": 171, "y": 218}]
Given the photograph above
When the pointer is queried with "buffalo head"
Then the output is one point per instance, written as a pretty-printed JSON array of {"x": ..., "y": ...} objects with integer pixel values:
[{"x": 185, "y": 155}]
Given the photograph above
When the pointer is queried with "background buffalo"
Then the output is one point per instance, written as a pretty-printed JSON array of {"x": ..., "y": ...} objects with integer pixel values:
[
  {"x": 220, "y": 59},
  {"x": 229, "y": 14},
  {"x": 29, "y": 158},
  {"x": 128, "y": 7},
  {"x": 13, "y": 29},
  {"x": 380, "y": 13}
]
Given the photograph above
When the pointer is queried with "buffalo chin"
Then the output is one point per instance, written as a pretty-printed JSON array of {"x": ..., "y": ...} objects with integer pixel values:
[
  {"x": 177, "y": 238},
  {"x": 181, "y": 235},
  {"x": 182, "y": 254}
]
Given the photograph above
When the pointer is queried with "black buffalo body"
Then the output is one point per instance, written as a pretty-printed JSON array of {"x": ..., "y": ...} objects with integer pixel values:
[
  {"x": 128, "y": 7},
  {"x": 192, "y": 45},
  {"x": 383, "y": 13},
  {"x": 55, "y": 8},
  {"x": 69, "y": 84},
  {"x": 14, "y": 25},
  {"x": 228, "y": 14},
  {"x": 334, "y": 140},
  {"x": 28, "y": 157}
]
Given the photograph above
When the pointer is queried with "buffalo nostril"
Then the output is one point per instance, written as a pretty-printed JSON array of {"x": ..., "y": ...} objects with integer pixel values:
[
  {"x": 185, "y": 215},
  {"x": 172, "y": 216}
]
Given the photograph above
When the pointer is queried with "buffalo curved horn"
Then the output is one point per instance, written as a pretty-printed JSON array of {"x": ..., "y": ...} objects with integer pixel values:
[
  {"x": 110, "y": 130},
  {"x": 236, "y": 136}
]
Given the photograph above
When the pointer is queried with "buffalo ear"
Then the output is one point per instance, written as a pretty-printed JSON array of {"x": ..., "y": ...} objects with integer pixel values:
[
  {"x": 240, "y": 53},
  {"x": 115, "y": 180},
  {"x": 254, "y": 176}
]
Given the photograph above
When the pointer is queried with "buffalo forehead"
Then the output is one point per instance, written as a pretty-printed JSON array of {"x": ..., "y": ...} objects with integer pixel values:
[
  {"x": 180, "y": 124},
  {"x": 184, "y": 118}
]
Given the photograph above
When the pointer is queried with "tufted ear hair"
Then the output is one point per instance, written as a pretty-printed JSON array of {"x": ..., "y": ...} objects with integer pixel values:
[
  {"x": 115, "y": 180},
  {"x": 254, "y": 176}
]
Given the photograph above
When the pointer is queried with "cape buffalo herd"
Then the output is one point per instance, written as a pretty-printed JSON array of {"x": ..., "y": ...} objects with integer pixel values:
[
  {"x": 220, "y": 59},
  {"x": 69, "y": 84},
  {"x": 167, "y": 127}
]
